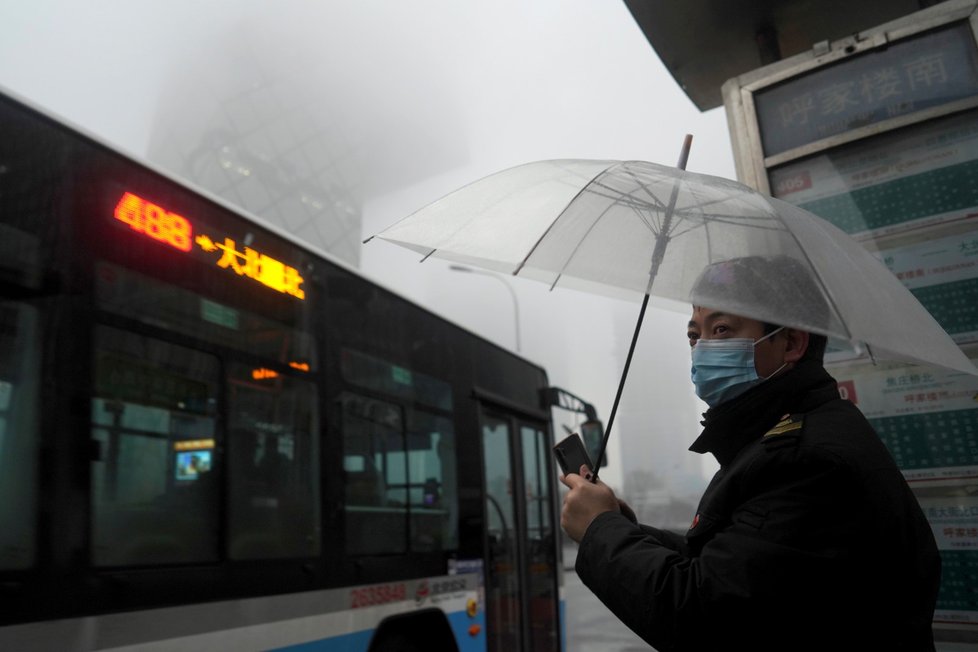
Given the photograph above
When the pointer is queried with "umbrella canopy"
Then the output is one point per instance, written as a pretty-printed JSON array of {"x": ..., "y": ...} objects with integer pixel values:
[{"x": 633, "y": 227}]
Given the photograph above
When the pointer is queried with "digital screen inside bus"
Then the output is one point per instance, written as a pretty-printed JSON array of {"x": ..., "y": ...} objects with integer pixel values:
[
  {"x": 190, "y": 464},
  {"x": 156, "y": 222}
]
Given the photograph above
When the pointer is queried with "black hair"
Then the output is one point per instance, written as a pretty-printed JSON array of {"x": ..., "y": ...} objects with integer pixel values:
[{"x": 816, "y": 343}]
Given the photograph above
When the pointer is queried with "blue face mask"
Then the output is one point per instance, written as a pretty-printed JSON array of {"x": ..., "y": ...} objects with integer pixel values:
[{"x": 724, "y": 369}]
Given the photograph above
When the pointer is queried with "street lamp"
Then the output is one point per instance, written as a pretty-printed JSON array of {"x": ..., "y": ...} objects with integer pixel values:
[{"x": 512, "y": 293}]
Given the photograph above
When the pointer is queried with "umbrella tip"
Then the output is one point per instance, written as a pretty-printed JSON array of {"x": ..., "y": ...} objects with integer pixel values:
[
  {"x": 367, "y": 240},
  {"x": 684, "y": 153}
]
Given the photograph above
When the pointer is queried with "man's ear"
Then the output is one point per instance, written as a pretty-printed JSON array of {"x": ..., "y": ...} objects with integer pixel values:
[{"x": 797, "y": 344}]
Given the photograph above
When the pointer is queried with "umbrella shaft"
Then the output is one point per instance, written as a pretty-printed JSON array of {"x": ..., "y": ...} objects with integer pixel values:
[
  {"x": 621, "y": 387},
  {"x": 657, "y": 254}
]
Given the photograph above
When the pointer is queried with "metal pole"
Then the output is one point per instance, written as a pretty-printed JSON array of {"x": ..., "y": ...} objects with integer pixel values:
[{"x": 512, "y": 294}]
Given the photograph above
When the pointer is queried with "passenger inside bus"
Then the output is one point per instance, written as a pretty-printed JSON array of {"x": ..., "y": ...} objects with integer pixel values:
[{"x": 264, "y": 515}]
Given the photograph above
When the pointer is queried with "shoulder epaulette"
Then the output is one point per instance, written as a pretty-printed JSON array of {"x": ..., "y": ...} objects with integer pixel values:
[
  {"x": 788, "y": 423},
  {"x": 785, "y": 432}
]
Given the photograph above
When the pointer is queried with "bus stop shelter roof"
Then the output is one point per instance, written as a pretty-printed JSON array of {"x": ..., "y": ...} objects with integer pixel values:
[{"x": 703, "y": 43}]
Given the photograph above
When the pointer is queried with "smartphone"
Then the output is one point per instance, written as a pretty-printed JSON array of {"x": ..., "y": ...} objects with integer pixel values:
[{"x": 571, "y": 454}]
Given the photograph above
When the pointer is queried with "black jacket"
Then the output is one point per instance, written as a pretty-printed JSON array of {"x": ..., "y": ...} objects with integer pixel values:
[{"x": 807, "y": 538}]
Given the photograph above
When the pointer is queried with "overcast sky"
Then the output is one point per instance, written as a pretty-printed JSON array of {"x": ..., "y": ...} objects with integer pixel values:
[{"x": 490, "y": 84}]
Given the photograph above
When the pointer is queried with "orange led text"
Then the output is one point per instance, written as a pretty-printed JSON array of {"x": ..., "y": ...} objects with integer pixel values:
[
  {"x": 193, "y": 444},
  {"x": 263, "y": 374},
  {"x": 152, "y": 220},
  {"x": 255, "y": 265}
]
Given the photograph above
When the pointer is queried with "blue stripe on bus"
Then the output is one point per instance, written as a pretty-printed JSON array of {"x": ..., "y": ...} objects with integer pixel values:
[
  {"x": 562, "y": 611},
  {"x": 459, "y": 621},
  {"x": 341, "y": 643}
]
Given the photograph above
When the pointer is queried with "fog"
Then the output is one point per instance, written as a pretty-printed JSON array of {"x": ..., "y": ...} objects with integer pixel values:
[{"x": 408, "y": 101}]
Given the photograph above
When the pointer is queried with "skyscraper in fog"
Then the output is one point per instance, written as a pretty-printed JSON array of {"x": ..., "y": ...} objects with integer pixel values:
[{"x": 272, "y": 130}]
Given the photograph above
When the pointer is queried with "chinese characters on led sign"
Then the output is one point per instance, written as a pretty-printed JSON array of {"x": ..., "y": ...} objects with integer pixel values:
[
  {"x": 193, "y": 444},
  {"x": 175, "y": 230},
  {"x": 262, "y": 373},
  {"x": 254, "y": 265},
  {"x": 872, "y": 88}
]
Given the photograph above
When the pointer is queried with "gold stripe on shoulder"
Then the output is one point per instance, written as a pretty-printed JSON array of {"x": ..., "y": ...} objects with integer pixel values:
[{"x": 783, "y": 426}]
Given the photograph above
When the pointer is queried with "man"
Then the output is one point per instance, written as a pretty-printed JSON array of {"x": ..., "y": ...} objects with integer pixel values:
[{"x": 807, "y": 538}]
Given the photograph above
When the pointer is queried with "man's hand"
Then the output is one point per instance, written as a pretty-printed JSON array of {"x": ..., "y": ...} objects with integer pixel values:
[{"x": 584, "y": 502}]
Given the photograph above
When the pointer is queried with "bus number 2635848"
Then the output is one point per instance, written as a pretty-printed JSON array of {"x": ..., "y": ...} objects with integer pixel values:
[{"x": 373, "y": 595}]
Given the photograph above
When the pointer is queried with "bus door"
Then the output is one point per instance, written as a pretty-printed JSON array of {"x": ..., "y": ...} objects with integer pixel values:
[{"x": 521, "y": 582}]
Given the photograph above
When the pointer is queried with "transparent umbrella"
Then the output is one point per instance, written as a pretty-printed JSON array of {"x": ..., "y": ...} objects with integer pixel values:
[{"x": 637, "y": 228}]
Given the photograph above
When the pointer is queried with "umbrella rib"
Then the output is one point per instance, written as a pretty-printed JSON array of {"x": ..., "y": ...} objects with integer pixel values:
[
  {"x": 639, "y": 205},
  {"x": 619, "y": 198},
  {"x": 740, "y": 219},
  {"x": 646, "y": 215},
  {"x": 590, "y": 228},
  {"x": 700, "y": 209},
  {"x": 615, "y": 193},
  {"x": 655, "y": 229},
  {"x": 536, "y": 244},
  {"x": 691, "y": 227},
  {"x": 658, "y": 203},
  {"x": 681, "y": 213},
  {"x": 694, "y": 224},
  {"x": 651, "y": 227},
  {"x": 647, "y": 220},
  {"x": 640, "y": 208},
  {"x": 578, "y": 246}
]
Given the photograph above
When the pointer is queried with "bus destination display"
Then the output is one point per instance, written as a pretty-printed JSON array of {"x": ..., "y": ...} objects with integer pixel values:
[{"x": 177, "y": 231}]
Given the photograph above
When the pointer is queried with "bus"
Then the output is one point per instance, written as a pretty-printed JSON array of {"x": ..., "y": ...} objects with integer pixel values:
[{"x": 213, "y": 437}]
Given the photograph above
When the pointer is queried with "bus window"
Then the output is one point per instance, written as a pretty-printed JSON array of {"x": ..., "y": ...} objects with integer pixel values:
[
  {"x": 521, "y": 591},
  {"x": 392, "y": 380},
  {"x": 32, "y": 173},
  {"x": 126, "y": 292},
  {"x": 373, "y": 437},
  {"x": 401, "y": 482},
  {"x": 503, "y": 591},
  {"x": 273, "y": 453},
  {"x": 18, "y": 433},
  {"x": 431, "y": 482},
  {"x": 155, "y": 496}
]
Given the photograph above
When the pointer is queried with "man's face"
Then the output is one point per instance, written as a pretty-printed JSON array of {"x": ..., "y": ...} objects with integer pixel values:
[{"x": 769, "y": 355}]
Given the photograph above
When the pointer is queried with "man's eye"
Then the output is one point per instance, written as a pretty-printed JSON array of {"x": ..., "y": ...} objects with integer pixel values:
[
  {"x": 720, "y": 329},
  {"x": 692, "y": 338}
]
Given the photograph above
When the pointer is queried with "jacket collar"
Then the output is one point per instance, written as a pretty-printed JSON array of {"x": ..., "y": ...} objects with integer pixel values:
[{"x": 730, "y": 426}]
